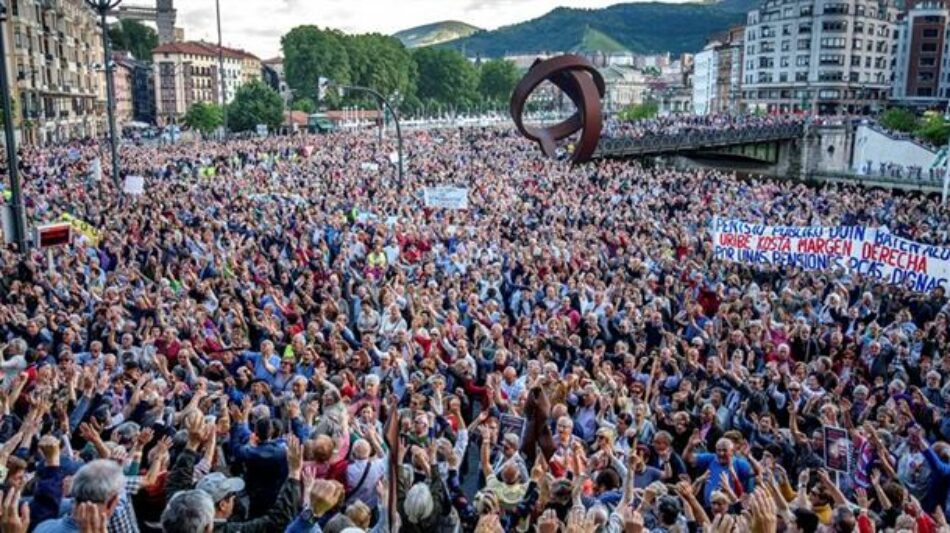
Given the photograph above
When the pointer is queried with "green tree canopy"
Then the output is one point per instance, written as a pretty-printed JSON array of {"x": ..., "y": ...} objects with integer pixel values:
[
  {"x": 255, "y": 103},
  {"x": 446, "y": 76},
  {"x": 304, "y": 104},
  {"x": 311, "y": 53},
  {"x": 643, "y": 111},
  {"x": 899, "y": 119},
  {"x": 497, "y": 79},
  {"x": 381, "y": 63},
  {"x": 204, "y": 117},
  {"x": 134, "y": 37},
  {"x": 934, "y": 129}
]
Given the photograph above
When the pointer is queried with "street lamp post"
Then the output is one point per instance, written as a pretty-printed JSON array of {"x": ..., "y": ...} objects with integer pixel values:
[
  {"x": 16, "y": 194},
  {"x": 224, "y": 91},
  {"x": 103, "y": 7},
  {"x": 383, "y": 103}
]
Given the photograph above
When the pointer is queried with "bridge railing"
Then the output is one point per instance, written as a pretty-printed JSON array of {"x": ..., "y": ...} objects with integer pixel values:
[{"x": 655, "y": 144}]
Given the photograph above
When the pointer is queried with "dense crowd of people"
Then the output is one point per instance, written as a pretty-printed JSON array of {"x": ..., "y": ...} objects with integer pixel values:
[
  {"x": 696, "y": 124},
  {"x": 280, "y": 335}
]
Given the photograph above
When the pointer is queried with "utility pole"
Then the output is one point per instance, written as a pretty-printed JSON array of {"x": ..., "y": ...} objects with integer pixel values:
[
  {"x": 224, "y": 94},
  {"x": 16, "y": 198},
  {"x": 103, "y": 7}
]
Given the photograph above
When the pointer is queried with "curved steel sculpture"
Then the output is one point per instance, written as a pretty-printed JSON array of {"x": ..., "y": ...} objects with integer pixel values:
[{"x": 583, "y": 84}]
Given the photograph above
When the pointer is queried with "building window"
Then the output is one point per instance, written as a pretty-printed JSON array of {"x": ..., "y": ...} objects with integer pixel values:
[
  {"x": 829, "y": 94},
  {"x": 930, "y": 33},
  {"x": 828, "y": 59},
  {"x": 834, "y": 26},
  {"x": 804, "y": 44},
  {"x": 928, "y": 61},
  {"x": 928, "y": 47},
  {"x": 857, "y": 43},
  {"x": 804, "y": 28},
  {"x": 831, "y": 75},
  {"x": 924, "y": 91},
  {"x": 801, "y": 76},
  {"x": 925, "y": 77},
  {"x": 786, "y": 46},
  {"x": 832, "y": 42},
  {"x": 802, "y": 61},
  {"x": 855, "y": 61},
  {"x": 836, "y": 9},
  {"x": 805, "y": 11}
]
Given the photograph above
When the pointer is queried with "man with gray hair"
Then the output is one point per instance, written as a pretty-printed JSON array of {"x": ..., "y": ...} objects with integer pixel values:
[
  {"x": 102, "y": 484},
  {"x": 190, "y": 511},
  {"x": 367, "y": 467}
]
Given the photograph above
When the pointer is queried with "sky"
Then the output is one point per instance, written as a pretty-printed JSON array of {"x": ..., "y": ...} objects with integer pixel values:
[{"x": 256, "y": 25}]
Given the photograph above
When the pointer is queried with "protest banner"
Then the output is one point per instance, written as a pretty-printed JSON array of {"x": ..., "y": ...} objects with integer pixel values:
[
  {"x": 134, "y": 185},
  {"x": 369, "y": 166},
  {"x": 512, "y": 424},
  {"x": 446, "y": 197},
  {"x": 837, "y": 449},
  {"x": 96, "y": 169},
  {"x": 85, "y": 229},
  {"x": 872, "y": 252}
]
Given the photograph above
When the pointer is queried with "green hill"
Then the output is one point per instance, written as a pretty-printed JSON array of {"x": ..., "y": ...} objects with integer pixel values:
[
  {"x": 438, "y": 32},
  {"x": 597, "y": 41},
  {"x": 649, "y": 27}
]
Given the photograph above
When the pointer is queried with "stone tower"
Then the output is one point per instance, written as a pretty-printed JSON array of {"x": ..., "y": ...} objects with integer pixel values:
[{"x": 165, "y": 15}]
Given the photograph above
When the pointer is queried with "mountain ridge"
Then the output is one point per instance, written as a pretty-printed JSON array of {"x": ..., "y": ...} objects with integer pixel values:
[
  {"x": 641, "y": 27},
  {"x": 435, "y": 33}
]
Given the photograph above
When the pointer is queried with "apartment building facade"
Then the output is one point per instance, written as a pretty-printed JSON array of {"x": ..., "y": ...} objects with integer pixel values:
[
  {"x": 820, "y": 56},
  {"x": 921, "y": 74},
  {"x": 54, "y": 62},
  {"x": 717, "y": 74},
  {"x": 189, "y": 72}
]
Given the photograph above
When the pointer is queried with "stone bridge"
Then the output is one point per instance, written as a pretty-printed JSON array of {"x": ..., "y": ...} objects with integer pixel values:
[
  {"x": 758, "y": 143},
  {"x": 784, "y": 150}
]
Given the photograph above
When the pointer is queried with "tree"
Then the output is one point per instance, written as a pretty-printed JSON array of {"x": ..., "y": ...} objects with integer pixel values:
[
  {"x": 381, "y": 63},
  {"x": 134, "y": 37},
  {"x": 255, "y": 103},
  {"x": 643, "y": 111},
  {"x": 899, "y": 119},
  {"x": 304, "y": 104},
  {"x": 446, "y": 76},
  {"x": 311, "y": 53},
  {"x": 934, "y": 129},
  {"x": 204, "y": 117},
  {"x": 497, "y": 79}
]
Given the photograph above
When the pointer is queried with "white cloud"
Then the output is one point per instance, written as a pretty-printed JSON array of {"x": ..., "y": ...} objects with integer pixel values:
[{"x": 256, "y": 25}]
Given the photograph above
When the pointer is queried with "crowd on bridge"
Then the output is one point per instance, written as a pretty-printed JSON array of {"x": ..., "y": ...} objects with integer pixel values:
[
  {"x": 281, "y": 335},
  {"x": 673, "y": 125}
]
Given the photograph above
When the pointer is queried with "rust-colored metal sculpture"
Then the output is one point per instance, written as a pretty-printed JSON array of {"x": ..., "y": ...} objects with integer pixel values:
[{"x": 583, "y": 84}]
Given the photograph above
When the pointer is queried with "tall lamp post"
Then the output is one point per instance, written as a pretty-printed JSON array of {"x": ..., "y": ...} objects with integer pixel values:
[
  {"x": 224, "y": 91},
  {"x": 16, "y": 194},
  {"x": 103, "y": 7},
  {"x": 383, "y": 103}
]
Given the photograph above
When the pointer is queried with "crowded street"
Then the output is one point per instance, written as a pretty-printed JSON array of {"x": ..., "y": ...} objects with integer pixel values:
[{"x": 282, "y": 334}]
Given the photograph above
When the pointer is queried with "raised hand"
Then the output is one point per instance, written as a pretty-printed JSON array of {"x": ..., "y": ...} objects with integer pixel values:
[
  {"x": 632, "y": 520},
  {"x": 325, "y": 495},
  {"x": 90, "y": 518},
  {"x": 294, "y": 456},
  {"x": 13, "y": 518},
  {"x": 548, "y": 523}
]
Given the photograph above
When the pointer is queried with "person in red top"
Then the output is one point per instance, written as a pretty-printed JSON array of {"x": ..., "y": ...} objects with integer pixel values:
[
  {"x": 323, "y": 464},
  {"x": 169, "y": 346}
]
